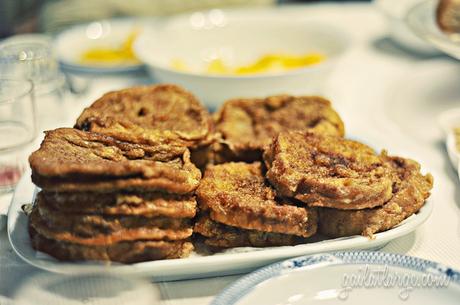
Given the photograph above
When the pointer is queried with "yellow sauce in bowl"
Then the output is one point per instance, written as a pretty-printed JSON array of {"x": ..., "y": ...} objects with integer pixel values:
[
  {"x": 269, "y": 63},
  {"x": 121, "y": 55}
]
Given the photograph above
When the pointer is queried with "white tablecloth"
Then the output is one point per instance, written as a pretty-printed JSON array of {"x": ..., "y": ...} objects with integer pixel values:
[{"x": 383, "y": 93}]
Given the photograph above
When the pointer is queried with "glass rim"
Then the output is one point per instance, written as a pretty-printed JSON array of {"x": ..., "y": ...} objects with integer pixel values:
[
  {"x": 16, "y": 44},
  {"x": 15, "y": 98}
]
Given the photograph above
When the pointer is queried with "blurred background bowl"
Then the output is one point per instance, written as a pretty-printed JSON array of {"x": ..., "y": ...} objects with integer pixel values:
[
  {"x": 72, "y": 43},
  {"x": 238, "y": 39}
]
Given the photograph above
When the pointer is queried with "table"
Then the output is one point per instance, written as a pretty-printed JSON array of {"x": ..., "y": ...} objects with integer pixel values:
[{"x": 382, "y": 92}]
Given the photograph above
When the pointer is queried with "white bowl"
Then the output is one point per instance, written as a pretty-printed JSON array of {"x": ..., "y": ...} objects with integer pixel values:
[
  {"x": 70, "y": 44},
  {"x": 238, "y": 39}
]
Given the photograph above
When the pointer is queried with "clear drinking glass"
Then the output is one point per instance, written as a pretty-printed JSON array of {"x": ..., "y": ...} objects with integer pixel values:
[
  {"x": 18, "y": 127},
  {"x": 33, "y": 59}
]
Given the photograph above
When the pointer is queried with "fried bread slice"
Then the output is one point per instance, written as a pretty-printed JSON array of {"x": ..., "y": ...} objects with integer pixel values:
[
  {"x": 122, "y": 252},
  {"x": 328, "y": 171},
  {"x": 74, "y": 160},
  {"x": 236, "y": 194},
  {"x": 158, "y": 115},
  {"x": 88, "y": 225},
  {"x": 148, "y": 204},
  {"x": 222, "y": 236},
  {"x": 40, "y": 224},
  {"x": 246, "y": 126},
  {"x": 448, "y": 15},
  {"x": 409, "y": 194}
]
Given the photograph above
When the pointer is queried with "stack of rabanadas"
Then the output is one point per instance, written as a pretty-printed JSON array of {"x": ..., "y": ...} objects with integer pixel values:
[{"x": 125, "y": 183}]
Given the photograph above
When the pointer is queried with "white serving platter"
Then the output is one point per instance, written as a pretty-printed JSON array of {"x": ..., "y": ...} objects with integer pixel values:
[{"x": 233, "y": 261}]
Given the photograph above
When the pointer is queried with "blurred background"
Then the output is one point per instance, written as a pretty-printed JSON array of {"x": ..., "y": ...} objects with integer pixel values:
[
  {"x": 28, "y": 16},
  {"x": 386, "y": 65}
]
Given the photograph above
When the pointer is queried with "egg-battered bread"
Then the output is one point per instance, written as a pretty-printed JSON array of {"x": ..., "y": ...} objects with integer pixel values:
[
  {"x": 100, "y": 238},
  {"x": 247, "y": 126},
  {"x": 160, "y": 115},
  {"x": 410, "y": 191},
  {"x": 448, "y": 15},
  {"x": 219, "y": 235},
  {"x": 89, "y": 225},
  {"x": 124, "y": 184},
  {"x": 74, "y": 160},
  {"x": 148, "y": 204},
  {"x": 122, "y": 252},
  {"x": 236, "y": 194},
  {"x": 328, "y": 171}
]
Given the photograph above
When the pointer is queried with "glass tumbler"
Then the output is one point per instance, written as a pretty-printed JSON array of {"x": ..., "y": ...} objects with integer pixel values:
[
  {"x": 34, "y": 60},
  {"x": 18, "y": 127}
]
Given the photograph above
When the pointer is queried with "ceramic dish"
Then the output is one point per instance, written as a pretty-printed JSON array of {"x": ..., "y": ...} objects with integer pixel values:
[
  {"x": 70, "y": 44},
  {"x": 233, "y": 261},
  {"x": 394, "y": 12},
  {"x": 421, "y": 19},
  {"x": 328, "y": 279},
  {"x": 237, "y": 38}
]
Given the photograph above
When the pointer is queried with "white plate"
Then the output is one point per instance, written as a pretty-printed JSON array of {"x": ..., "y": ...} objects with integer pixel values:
[
  {"x": 334, "y": 278},
  {"x": 394, "y": 12},
  {"x": 232, "y": 261},
  {"x": 71, "y": 43},
  {"x": 422, "y": 20}
]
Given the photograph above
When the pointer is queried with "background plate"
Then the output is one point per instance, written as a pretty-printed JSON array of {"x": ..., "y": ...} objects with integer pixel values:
[
  {"x": 323, "y": 278},
  {"x": 422, "y": 20}
]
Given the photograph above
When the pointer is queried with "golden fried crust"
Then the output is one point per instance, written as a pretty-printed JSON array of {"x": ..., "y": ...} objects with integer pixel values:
[
  {"x": 122, "y": 252},
  {"x": 39, "y": 223},
  {"x": 223, "y": 236},
  {"x": 409, "y": 195},
  {"x": 248, "y": 125},
  {"x": 89, "y": 225},
  {"x": 130, "y": 204},
  {"x": 74, "y": 160},
  {"x": 236, "y": 194},
  {"x": 328, "y": 171},
  {"x": 448, "y": 15},
  {"x": 155, "y": 115}
]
